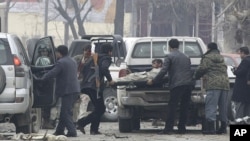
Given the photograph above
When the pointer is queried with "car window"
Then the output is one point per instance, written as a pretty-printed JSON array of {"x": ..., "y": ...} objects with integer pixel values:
[
  {"x": 43, "y": 55},
  {"x": 5, "y": 52},
  {"x": 192, "y": 49},
  {"x": 21, "y": 51},
  {"x": 143, "y": 50},
  {"x": 160, "y": 49}
]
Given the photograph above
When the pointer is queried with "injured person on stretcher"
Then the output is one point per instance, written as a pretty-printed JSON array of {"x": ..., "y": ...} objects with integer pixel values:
[{"x": 142, "y": 76}]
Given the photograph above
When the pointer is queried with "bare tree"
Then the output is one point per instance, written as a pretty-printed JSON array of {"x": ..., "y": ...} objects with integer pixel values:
[
  {"x": 6, "y": 14},
  {"x": 237, "y": 23},
  {"x": 78, "y": 8},
  {"x": 178, "y": 17}
]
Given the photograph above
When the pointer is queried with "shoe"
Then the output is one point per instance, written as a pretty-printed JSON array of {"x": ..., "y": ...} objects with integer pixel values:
[
  {"x": 222, "y": 129},
  {"x": 181, "y": 131},
  {"x": 58, "y": 133},
  {"x": 95, "y": 133},
  {"x": 82, "y": 130},
  {"x": 209, "y": 128},
  {"x": 80, "y": 127},
  {"x": 71, "y": 135},
  {"x": 48, "y": 125},
  {"x": 168, "y": 132}
]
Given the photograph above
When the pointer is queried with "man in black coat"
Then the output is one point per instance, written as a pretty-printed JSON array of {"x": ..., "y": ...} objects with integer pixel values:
[
  {"x": 67, "y": 87},
  {"x": 241, "y": 91},
  {"x": 88, "y": 86}
]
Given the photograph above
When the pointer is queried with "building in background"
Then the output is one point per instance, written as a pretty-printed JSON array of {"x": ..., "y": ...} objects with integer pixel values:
[{"x": 26, "y": 19}]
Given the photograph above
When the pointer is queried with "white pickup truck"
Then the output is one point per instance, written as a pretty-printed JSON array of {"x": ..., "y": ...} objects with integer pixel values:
[{"x": 137, "y": 101}]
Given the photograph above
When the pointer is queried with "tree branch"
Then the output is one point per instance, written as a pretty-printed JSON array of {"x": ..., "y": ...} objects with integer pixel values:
[
  {"x": 86, "y": 14},
  {"x": 172, "y": 6},
  {"x": 62, "y": 11},
  {"x": 228, "y": 6}
]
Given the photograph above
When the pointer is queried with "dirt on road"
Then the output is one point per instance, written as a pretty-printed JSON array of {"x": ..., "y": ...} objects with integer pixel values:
[{"x": 148, "y": 132}]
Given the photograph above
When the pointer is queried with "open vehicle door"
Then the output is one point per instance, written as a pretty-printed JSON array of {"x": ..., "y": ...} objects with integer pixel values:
[{"x": 43, "y": 60}]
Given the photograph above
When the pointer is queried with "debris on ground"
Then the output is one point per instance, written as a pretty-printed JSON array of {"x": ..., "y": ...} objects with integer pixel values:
[
  {"x": 115, "y": 136},
  {"x": 38, "y": 137}
]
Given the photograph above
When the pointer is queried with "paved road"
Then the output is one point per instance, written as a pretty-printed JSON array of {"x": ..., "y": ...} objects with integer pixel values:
[{"x": 147, "y": 133}]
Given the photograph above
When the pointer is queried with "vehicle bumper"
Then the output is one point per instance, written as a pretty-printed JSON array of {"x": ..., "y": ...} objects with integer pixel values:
[
  {"x": 197, "y": 97},
  {"x": 137, "y": 101},
  {"x": 19, "y": 106}
]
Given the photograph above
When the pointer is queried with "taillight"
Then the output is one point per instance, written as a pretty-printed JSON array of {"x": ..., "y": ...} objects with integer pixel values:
[
  {"x": 123, "y": 72},
  {"x": 17, "y": 61},
  {"x": 19, "y": 71}
]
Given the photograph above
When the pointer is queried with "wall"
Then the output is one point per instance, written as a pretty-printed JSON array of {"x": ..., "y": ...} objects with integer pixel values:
[{"x": 32, "y": 25}]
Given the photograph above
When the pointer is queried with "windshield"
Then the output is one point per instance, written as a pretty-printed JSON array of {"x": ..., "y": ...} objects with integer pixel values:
[{"x": 160, "y": 49}]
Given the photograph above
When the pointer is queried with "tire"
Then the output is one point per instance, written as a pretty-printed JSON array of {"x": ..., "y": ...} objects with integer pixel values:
[
  {"x": 23, "y": 122},
  {"x": 136, "y": 124},
  {"x": 231, "y": 106},
  {"x": 111, "y": 103},
  {"x": 125, "y": 125},
  {"x": 2, "y": 80},
  {"x": 36, "y": 120}
]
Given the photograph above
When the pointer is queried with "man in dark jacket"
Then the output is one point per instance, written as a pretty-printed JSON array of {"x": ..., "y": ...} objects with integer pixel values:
[
  {"x": 178, "y": 66},
  {"x": 213, "y": 71},
  {"x": 88, "y": 86},
  {"x": 67, "y": 87},
  {"x": 241, "y": 91}
]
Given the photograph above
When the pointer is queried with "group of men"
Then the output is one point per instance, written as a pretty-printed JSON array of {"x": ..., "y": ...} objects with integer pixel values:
[
  {"x": 68, "y": 73},
  {"x": 212, "y": 70}
]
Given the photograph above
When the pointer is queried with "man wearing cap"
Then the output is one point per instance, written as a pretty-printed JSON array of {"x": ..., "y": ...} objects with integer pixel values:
[{"x": 213, "y": 71}]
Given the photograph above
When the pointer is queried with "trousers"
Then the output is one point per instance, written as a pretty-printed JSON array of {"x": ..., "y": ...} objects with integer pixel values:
[
  {"x": 66, "y": 113},
  {"x": 99, "y": 108},
  {"x": 182, "y": 95},
  {"x": 214, "y": 99}
]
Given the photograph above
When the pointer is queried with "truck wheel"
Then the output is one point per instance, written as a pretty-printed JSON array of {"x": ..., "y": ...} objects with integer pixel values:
[
  {"x": 231, "y": 106},
  {"x": 111, "y": 103},
  {"x": 2, "y": 79},
  {"x": 136, "y": 124},
  {"x": 36, "y": 120},
  {"x": 125, "y": 125},
  {"x": 26, "y": 129},
  {"x": 24, "y": 121}
]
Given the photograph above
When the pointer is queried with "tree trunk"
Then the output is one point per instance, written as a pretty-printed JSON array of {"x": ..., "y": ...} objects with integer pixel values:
[
  {"x": 81, "y": 30},
  {"x": 159, "y": 25},
  {"x": 66, "y": 33},
  {"x": 6, "y": 16},
  {"x": 119, "y": 17},
  {"x": 73, "y": 30},
  {"x": 183, "y": 26}
]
